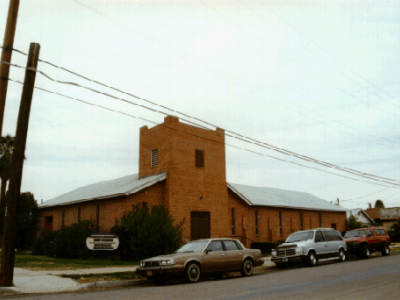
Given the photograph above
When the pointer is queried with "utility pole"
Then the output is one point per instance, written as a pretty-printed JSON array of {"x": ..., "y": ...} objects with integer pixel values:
[
  {"x": 10, "y": 228},
  {"x": 6, "y": 54}
]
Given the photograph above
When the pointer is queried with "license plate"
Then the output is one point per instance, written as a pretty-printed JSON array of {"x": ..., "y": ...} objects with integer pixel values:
[
  {"x": 284, "y": 259},
  {"x": 149, "y": 273}
]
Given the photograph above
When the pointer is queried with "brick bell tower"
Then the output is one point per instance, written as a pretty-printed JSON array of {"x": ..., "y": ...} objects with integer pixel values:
[{"x": 195, "y": 188}]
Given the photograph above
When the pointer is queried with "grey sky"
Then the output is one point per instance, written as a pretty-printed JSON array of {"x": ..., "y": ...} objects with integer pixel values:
[{"x": 319, "y": 78}]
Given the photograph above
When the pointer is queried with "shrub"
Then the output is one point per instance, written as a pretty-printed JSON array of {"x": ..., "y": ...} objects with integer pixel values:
[
  {"x": 67, "y": 242},
  {"x": 144, "y": 233},
  {"x": 265, "y": 247}
]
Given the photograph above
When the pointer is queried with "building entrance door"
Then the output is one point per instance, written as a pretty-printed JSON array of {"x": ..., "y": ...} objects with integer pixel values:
[{"x": 200, "y": 224}]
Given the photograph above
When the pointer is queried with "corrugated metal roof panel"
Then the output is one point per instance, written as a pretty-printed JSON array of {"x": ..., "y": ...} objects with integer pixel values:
[
  {"x": 106, "y": 189},
  {"x": 281, "y": 198}
]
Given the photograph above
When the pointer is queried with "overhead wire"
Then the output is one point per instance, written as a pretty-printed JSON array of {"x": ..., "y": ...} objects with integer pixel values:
[
  {"x": 239, "y": 136},
  {"x": 297, "y": 63},
  {"x": 327, "y": 52},
  {"x": 396, "y": 186},
  {"x": 176, "y": 51}
]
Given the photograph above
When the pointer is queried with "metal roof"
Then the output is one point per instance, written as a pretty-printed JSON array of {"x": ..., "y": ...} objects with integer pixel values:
[
  {"x": 281, "y": 198},
  {"x": 106, "y": 189}
]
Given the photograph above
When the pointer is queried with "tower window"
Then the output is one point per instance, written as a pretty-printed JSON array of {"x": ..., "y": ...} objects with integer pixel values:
[
  {"x": 154, "y": 158},
  {"x": 199, "y": 158}
]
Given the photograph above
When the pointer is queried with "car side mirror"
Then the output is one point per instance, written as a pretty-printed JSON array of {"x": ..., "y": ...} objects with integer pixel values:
[
  {"x": 317, "y": 240},
  {"x": 208, "y": 250}
]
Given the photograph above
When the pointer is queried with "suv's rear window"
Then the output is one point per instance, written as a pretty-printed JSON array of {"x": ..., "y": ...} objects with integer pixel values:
[
  {"x": 332, "y": 235},
  {"x": 379, "y": 231}
]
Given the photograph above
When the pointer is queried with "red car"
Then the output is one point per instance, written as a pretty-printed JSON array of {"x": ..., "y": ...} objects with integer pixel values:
[{"x": 362, "y": 242}]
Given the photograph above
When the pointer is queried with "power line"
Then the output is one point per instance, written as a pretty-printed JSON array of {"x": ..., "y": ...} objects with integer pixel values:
[
  {"x": 291, "y": 59},
  {"x": 320, "y": 58},
  {"x": 189, "y": 133},
  {"x": 331, "y": 55},
  {"x": 176, "y": 51},
  {"x": 239, "y": 136}
]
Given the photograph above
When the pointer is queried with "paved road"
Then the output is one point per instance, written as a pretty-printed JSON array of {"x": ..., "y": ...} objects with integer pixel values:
[{"x": 374, "y": 278}]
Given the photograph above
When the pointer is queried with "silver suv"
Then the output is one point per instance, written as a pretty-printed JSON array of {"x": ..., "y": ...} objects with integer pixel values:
[{"x": 310, "y": 246}]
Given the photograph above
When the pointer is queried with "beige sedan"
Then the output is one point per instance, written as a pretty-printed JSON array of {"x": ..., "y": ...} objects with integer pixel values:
[{"x": 212, "y": 256}]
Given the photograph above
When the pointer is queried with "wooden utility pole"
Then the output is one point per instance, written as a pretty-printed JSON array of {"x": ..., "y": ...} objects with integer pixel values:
[
  {"x": 10, "y": 227},
  {"x": 6, "y": 54}
]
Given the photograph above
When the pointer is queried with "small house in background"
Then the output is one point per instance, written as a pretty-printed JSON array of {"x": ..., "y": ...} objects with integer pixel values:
[
  {"x": 361, "y": 216},
  {"x": 384, "y": 217}
]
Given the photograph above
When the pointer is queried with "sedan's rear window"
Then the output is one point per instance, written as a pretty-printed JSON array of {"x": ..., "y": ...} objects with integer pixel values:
[
  {"x": 193, "y": 247},
  {"x": 231, "y": 245}
]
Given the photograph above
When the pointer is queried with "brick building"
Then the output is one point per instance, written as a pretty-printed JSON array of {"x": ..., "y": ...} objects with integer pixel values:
[
  {"x": 384, "y": 217},
  {"x": 182, "y": 167}
]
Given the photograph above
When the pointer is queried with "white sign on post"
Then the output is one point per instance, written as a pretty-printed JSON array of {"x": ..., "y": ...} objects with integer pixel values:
[{"x": 102, "y": 241}]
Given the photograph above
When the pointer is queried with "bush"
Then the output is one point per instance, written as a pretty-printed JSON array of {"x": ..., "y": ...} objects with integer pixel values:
[
  {"x": 144, "y": 233},
  {"x": 265, "y": 247},
  {"x": 394, "y": 236},
  {"x": 67, "y": 242}
]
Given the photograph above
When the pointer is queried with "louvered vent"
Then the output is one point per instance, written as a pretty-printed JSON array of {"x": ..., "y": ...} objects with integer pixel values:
[
  {"x": 199, "y": 158},
  {"x": 154, "y": 158}
]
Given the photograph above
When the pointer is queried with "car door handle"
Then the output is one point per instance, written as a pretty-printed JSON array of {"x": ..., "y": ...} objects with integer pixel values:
[
  {"x": 240, "y": 253},
  {"x": 222, "y": 254}
]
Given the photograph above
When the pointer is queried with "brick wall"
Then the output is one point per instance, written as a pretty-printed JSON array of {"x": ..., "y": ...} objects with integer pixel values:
[
  {"x": 109, "y": 209},
  {"x": 269, "y": 228},
  {"x": 188, "y": 188}
]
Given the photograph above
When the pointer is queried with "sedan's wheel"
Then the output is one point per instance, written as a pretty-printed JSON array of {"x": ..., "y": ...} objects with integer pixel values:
[
  {"x": 247, "y": 268},
  {"x": 365, "y": 251},
  {"x": 312, "y": 259},
  {"x": 192, "y": 272},
  {"x": 385, "y": 249},
  {"x": 342, "y": 255}
]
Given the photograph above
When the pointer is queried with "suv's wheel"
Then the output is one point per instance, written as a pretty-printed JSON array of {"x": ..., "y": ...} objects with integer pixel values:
[
  {"x": 365, "y": 251},
  {"x": 385, "y": 249},
  {"x": 312, "y": 259},
  {"x": 247, "y": 268},
  {"x": 192, "y": 272},
  {"x": 342, "y": 255}
]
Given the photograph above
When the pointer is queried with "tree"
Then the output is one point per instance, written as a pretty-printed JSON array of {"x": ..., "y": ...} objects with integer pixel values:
[
  {"x": 146, "y": 233},
  {"x": 396, "y": 226},
  {"x": 379, "y": 204},
  {"x": 28, "y": 218},
  {"x": 353, "y": 223},
  {"x": 6, "y": 152},
  {"x": 395, "y": 231}
]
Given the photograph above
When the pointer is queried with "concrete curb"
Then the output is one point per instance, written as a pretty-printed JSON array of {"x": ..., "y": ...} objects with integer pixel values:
[
  {"x": 10, "y": 289},
  {"x": 116, "y": 283}
]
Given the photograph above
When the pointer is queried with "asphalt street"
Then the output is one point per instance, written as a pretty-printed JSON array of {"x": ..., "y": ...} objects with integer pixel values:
[{"x": 373, "y": 278}]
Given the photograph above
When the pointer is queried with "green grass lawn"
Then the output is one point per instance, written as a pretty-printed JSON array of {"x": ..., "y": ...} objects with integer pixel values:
[{"x": 40, "y": 262}]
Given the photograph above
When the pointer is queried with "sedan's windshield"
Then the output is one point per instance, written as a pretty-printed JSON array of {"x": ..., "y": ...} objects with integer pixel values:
[
  {"x": 193, "y": 247},
  {"x": 300, "y": 236},
  {"x": 354, "y": 233}
]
